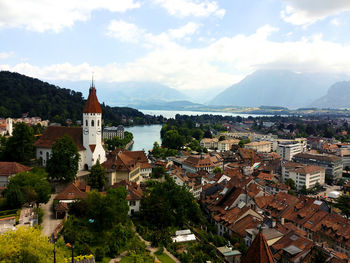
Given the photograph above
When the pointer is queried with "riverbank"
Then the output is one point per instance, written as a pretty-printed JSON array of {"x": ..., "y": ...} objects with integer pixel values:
[{"x": 129, "y": 145}]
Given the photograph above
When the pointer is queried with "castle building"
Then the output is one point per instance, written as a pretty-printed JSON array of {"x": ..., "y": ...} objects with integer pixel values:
[{"x": 87, "y": 138}]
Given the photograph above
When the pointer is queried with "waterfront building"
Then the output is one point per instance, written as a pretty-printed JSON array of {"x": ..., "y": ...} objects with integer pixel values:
[{"x": 111, "y": 132}]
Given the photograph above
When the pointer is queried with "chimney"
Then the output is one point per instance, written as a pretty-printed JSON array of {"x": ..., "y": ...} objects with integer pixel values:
[{"x": 282, "y": 221}]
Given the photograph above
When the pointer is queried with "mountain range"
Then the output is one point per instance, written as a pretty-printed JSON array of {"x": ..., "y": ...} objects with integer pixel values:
[
  {"x": 277, "y": 88},
  {"x": 127, "y": 93},
  {"x": 338, "y": 96}
]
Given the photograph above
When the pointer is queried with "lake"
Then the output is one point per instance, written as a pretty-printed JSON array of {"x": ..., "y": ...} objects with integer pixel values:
[
  {"x": 171, "y": 113},
  {"x": 145, "y": 136}
]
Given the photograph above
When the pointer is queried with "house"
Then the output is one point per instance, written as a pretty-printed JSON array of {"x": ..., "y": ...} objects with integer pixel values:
[
  {"x": 87, "y": 138},
  {"x": 130, "y": 165},
  {"x": 196, "y": 163},
  {"x": 262, "y": 146},
  {"x": 272, "y": 235},
  {"x": 134, "y": 195},
  {"x": 74, "y": 191},
  {"x": 9, "y": 169},
  {"x": 111, "y": 132}
]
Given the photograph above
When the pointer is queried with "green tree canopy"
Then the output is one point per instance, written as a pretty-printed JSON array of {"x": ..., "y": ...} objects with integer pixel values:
[
  {"x": 173, "y": 140},
  {"x": 27, "y": 244},
  {"x": 97, "y": 176},
  {"x": 20, "y": 146},
  {"x": 343, "y": 203},
  {"x": 28, "y": 187},
  {"x": 64, "y": 162},
  {"x": 290, "y": 182}
]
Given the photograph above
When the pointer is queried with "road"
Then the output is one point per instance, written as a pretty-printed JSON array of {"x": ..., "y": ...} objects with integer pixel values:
[{"x": 49, "y": 220}]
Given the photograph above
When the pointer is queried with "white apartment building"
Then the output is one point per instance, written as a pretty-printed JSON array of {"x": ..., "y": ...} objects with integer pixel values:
[
  {"x": 287, "y": 149},
  {"x": 302, "y": 174},
  {"x": 263, "y": 146},
  {"x": 226, "y": 145}
]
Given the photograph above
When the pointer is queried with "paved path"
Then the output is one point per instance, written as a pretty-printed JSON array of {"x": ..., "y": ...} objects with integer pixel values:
[{"x": 49, "y": 220}]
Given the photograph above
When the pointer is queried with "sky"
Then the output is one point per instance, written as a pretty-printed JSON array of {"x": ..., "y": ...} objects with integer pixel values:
[{"x": 189, "y": 45}]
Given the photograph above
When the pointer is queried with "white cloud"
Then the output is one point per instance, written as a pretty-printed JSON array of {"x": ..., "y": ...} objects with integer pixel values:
[
  {"x": 188, "y": 29},
  {"x": 44, "y": 15},
  {"x": 4, "y": 55},
  {"x": 306, "y": 12},
  {"x": 335, "y": 22},
  {"x": 125, "y": 32},
  {"x": 219, "y": 64},
  {"x": 198, "y": 8}
]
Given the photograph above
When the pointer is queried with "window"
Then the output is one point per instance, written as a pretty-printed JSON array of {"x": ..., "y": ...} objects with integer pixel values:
[
  {"x": 98, "y": 123},
  {"x": 47, "y": 155},
  {"x": 86, "y": 123},
  {"x": 132, "y": 203},
  {"x": 92, "y": 123}
]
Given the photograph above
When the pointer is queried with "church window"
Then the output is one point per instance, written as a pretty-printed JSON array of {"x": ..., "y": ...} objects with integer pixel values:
[
  {"x": 98, "y": 123},
  {"x": 92, "y": 123},
  {"x": 86, "y": 123},
  {"x": 47, "y": 155}
]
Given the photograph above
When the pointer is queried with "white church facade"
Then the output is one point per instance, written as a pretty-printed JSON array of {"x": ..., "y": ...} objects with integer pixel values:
[{"x": 87, "y": 138}]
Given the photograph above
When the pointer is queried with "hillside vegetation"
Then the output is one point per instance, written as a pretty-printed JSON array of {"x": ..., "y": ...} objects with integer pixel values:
[{"x": 21, "y": 94}]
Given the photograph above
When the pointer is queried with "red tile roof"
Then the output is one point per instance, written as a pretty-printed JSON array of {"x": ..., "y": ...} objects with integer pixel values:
[
  {"x": 92, "y": 105},
  {"x": 71, "y": 192},
  {"x": 134, "y": 190},
  {"x": 258, "y": 252},
  {"x": 53, "y": 133},
  {"x": 11, "y": 168}
]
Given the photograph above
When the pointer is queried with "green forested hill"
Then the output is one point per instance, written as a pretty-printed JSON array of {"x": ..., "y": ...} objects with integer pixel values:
[{"x": 21, "y": 94}]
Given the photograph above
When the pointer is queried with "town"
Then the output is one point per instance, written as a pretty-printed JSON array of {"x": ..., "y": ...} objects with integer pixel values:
[{"x": 216, "y": 190}]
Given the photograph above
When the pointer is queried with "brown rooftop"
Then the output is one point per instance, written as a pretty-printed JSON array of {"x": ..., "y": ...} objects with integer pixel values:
[
  {"x": 92, "y": 105},
  {"x": 258, "y": 252},
  {"x": 53, "y": 133},
  {"x": 10, "y": 168}
]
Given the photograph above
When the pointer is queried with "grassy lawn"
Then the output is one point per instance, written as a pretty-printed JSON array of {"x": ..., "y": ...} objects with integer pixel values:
[{"x": 164, "y": 258}]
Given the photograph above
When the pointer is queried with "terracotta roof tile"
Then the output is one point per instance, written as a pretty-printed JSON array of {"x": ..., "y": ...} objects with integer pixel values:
[
  {"x": 11, "y": 168},
  {"x": 92, "y": 105},
  {"x": 52, "y": 133}
]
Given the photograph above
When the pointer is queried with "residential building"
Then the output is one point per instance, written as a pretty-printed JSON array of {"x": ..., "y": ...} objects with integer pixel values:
[
  {"x": 111, "y": 132},
  {"x": 333, "y": 164},
  {"x": 9, "y": 169},
  {"x": 209, "y": 143},
  {"x": 303, "y": 175},
  {"x": 195, "y": 163},
  {"x": 226, "y": 145},
  {"x": 134, "y": 195},
  {"x": 272, "y": 235},
  {"x": 287, "y": 149},
  {"x": 263, "y": 146}
]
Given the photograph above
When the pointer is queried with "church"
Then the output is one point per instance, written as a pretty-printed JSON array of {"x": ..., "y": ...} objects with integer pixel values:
[{"x": 87, "y": 138}]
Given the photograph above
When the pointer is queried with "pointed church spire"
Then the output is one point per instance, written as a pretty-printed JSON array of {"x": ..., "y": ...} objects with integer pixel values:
[{"x": 92, "y": 105}]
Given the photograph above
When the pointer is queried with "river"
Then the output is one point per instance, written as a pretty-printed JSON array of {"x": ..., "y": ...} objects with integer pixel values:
[{"x": 145, "y": 136}]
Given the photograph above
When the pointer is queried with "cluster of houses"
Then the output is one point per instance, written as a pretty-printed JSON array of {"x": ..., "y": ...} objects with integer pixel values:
[
  {"x": 241, "y": 190},
  {"x": 6, "y": 125}
]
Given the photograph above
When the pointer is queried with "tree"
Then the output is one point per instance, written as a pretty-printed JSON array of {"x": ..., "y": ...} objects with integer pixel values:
[
  {"x": 173, "y": 140},
  {"x": 63, "y": 164},
  {"x": 217, "y": 170},
  {"x": 290, "y": 182},
  {"x": 222, "y": 137},
  {"x": 158, "y": 172},
  {"x": 343, "y": 203},
  {"x": 97, "y": 176},
  {"x": 28, "y": 187},
  {"x": 20, "y": 147},
  {"x": 207, "y": 134},
  {"x": 27, "y": 244}
]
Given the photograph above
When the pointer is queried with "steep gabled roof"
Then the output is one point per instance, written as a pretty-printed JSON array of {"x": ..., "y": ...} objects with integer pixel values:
[
  {"x": 71, "y": 192},
  {"x": 258, "y": 252},
  {"x": 52, "y": 133},
  {"x": 92, "y": 105}
]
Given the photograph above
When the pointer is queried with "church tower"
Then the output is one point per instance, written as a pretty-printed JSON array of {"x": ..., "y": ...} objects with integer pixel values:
[{"x": 92, "y": 130}]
